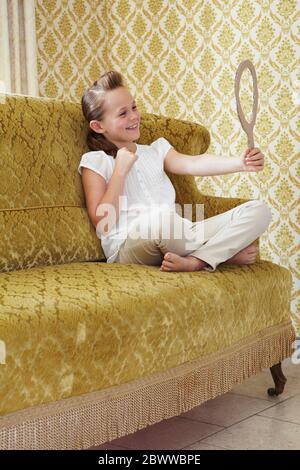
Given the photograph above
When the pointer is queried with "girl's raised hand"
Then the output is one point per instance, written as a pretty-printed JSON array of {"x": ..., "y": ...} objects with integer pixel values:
[
  {"x": 253, "y": 160},
  {"x": 125, "y": 159}
]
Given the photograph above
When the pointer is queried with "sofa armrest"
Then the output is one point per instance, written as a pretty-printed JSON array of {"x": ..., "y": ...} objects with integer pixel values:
[{"x": 214, "y": 205}]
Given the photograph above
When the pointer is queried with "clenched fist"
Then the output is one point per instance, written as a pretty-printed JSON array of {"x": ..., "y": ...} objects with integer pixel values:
[{"x": 125, "y": 159}]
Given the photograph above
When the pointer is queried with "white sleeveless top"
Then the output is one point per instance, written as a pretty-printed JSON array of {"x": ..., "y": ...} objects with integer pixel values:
[{"x": 147, "y": 188}]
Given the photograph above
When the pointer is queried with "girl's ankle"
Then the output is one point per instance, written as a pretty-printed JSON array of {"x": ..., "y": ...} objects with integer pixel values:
[{"x": 200, "y": 263}]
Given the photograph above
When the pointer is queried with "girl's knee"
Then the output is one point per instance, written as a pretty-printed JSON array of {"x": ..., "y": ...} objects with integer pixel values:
[{"x": 263, "y": 212}]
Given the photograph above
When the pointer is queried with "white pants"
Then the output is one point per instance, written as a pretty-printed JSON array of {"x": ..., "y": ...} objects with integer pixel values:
[{"x": 213, "y": 240}]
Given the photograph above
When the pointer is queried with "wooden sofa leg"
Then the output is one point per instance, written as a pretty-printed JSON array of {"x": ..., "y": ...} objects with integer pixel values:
[{"x": 279, "y": 380}]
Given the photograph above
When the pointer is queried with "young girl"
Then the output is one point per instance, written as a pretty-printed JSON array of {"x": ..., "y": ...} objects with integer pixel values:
[{"x": 126, "y": 188}]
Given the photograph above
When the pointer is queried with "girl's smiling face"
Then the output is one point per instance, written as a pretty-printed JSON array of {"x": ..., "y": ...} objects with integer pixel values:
[{"x": 120, "y": 114}]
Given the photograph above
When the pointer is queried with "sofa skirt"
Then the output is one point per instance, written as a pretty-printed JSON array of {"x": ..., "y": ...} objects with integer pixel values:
[{"x": 102, "y": 416}]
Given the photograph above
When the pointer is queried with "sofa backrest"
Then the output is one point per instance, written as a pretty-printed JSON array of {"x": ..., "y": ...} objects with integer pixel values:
[{"x": 43, "y": 217}]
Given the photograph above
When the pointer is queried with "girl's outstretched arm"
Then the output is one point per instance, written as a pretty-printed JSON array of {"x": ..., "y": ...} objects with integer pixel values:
[{"x": 211, "y": 165}]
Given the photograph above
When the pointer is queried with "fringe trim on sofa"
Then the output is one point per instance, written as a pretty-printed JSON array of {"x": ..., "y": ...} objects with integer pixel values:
[{"x": 98, "y": 417}]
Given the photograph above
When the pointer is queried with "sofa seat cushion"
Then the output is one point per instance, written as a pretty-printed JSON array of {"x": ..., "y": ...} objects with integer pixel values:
[{"x": 70, "y": 329}]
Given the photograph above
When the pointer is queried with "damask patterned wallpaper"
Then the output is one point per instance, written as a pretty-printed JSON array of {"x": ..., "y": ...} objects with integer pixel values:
[{"x": 180, "y": 59}]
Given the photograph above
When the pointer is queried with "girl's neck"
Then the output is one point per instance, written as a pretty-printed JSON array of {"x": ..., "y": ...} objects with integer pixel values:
[{"x": 131, "y": 146}]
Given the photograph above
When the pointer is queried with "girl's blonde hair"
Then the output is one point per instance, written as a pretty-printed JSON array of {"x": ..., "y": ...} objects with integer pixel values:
[{"x": 92, "y": 104}]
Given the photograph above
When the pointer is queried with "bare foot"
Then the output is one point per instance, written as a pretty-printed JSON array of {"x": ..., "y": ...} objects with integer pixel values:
[
  {"x": 174, "y": 262},
  {"x": 245, "y": 256}
]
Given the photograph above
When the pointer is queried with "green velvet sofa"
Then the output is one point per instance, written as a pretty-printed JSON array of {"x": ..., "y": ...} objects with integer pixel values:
[{"x": 91, "y": 351}]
